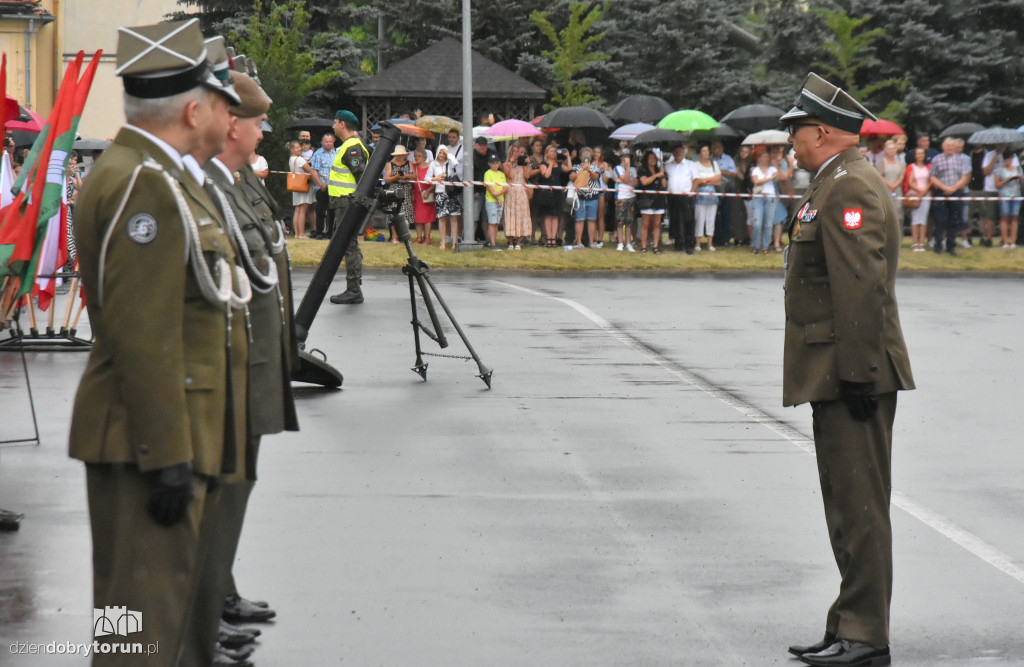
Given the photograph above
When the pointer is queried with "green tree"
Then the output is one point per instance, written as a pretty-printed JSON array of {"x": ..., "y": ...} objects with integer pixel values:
[
  {"x": 572, "y": 53},
  {"x": 682, "y": 50},
  {"x": 852, "y": 53},
  {"x": 276, "y": 40}
]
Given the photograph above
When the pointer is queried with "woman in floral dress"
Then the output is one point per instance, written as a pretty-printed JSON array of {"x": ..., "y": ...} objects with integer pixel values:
[{"x": 518, "y": 225}]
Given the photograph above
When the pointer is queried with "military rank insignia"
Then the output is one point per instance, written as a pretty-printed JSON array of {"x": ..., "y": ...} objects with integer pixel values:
[
  {"x": 852, "y": 218},
  {"x": 142, "y": 228}
]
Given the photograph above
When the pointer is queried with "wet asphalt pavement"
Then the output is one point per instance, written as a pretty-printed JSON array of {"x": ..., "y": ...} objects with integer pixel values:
[{"x": 630, "y": 492}]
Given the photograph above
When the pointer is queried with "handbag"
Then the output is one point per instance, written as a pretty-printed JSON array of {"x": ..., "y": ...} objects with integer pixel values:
[
  {"x": 911, "y": 201},
  {"x": 427, "y": 195},
  {"x": 298, "y": 182}
]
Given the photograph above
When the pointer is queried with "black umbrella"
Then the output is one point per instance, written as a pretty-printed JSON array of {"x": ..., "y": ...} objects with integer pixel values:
[
  {"x": 723, "y": 132},
  {"x": 641, "y": 109},
  {"x": 660, "y": 135},
  {"x": 91, "y": 145},
  {"x": 752, "y": 118},
  {"x": 576, "y": 117},
  {"x": 22, "y": 137},
  {"x": 310, "y": 123},
  {"x": 962, "y": 130}
]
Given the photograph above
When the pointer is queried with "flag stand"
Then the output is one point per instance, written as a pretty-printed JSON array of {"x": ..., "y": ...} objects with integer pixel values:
[
  {"x": 15, "y": 342},
  {"x": 51, "y": 339}
]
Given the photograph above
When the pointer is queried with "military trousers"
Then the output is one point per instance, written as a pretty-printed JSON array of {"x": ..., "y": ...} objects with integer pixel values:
[
  {"x": 143, "y": 566},
  {"x": 854, "y": 468},
  {"x": 353, "y": 254}
]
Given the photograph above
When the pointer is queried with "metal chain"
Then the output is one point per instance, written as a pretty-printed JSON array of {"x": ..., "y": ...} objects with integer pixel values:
[{"x": 446, "y": 356}]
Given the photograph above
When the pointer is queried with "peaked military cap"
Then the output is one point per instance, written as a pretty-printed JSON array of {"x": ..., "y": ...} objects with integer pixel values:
[
  {"x": 166, "y": 59},
  {"x": 217, "y": 54},
  {"x": 255, "y": 101},
  {"x": 830, "y": 104}
]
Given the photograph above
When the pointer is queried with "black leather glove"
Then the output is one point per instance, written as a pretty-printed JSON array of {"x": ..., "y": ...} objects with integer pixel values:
[
  {"x": 172, "y": 493},
  {"x": 860, "y": 399}
]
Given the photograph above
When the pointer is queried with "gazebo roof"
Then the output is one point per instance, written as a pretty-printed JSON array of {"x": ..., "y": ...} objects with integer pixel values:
[
  {"x": 421, "y": 75},
  {"x": 24, "y": 9}
]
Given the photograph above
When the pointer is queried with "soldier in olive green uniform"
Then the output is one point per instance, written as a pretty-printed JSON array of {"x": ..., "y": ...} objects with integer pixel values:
[
  {"x": 160, "y": 411},
  {"x": 349, "y": 165},
  {"x": 265, "y": 258},
  {"x": 845, "y": 354}
]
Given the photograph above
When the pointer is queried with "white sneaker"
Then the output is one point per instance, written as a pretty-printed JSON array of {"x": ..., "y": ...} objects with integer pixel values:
[
  {"x": 629, "y": 247},
  {"x": 619, "y": 248},
  {"x": 599, "y": 244},
  {"x": 697, "y": 248},
  {"x": 964, "y": 243},
  {"x": 519, "y": 247},
  {"x": 711, "y": 248}
]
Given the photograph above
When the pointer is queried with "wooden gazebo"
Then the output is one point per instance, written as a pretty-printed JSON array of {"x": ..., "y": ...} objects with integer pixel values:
[{"x": 431, "y": 80}]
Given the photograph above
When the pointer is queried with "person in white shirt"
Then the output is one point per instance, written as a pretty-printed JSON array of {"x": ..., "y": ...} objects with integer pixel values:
[
  {"x": 681, "y": 172},
  {"x": 988, "y": 209},
  {"x": 625, "y": 179},
  {"x": 763, "y": 177}
]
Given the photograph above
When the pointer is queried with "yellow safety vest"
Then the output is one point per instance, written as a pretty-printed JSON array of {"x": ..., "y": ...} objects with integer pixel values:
[{"x": 342, "y": 182}]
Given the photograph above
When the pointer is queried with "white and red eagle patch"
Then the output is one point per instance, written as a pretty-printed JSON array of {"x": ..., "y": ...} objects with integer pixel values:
[{"x": 852, "y": 218}]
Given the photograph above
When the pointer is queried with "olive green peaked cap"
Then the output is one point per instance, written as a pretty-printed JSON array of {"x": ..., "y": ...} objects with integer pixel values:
[
  {"x": 166, "y": 59},
  {"x": 830, "y": 104}
]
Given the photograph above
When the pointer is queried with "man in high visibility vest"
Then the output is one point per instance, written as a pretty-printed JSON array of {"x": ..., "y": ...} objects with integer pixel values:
[{"x": 348, "y": 166}]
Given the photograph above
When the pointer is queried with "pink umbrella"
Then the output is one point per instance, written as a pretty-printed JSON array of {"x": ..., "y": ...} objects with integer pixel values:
[
  {"x": 880, "y": 127},
  {"x": 34, "y": 123},
  {"x": 512, "y": 129}
]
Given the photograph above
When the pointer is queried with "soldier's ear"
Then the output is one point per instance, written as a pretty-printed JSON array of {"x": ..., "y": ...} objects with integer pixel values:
[
  {"x": 190, "y": 114},
  {"x": 232, "y": 126}
]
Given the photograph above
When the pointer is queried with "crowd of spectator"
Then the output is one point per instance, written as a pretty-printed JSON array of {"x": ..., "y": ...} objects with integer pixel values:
[{"x": 558, "y": 191}]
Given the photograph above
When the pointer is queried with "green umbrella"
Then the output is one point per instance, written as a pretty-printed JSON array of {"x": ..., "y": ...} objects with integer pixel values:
[{"x": 688, "y": 120}]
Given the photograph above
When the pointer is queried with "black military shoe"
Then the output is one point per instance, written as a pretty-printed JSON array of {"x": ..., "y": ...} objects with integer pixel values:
[
  {"x": 240, "y": 653},
  {"x": 845, "y": 653},
  {"x": 239, "y": 610},
  {"x": 234, "y": 639},
  {"x": 255, "y": 632},
  {"x": 10, "y": 521},
  {"x": 799, "y": 650},
  {"x": 221, "y": 660},
  {"x": 348, "y": 296}
]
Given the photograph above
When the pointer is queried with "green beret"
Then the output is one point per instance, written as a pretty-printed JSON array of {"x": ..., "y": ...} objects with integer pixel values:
[{"x": 346, "y": 116}]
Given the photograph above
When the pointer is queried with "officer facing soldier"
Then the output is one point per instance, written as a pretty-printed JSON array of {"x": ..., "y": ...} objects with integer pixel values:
[{"x": 845, "y": 354}]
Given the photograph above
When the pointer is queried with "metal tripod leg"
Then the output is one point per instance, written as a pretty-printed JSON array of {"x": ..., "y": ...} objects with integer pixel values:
[
  {"x": 420, "y": 366},
  {"x": 485, "y": 373}
]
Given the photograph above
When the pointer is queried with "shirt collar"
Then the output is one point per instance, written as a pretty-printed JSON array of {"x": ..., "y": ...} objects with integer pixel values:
[
  {"x": 223, "y": 169},
  {"x": 193, "y": 168},
  {"x": 160, "y": 143},
  {"x": 826, "y": 163}
]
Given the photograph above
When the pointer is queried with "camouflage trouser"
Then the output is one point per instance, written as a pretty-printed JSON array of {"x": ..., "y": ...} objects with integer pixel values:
[{"x": 353, "y": 254}]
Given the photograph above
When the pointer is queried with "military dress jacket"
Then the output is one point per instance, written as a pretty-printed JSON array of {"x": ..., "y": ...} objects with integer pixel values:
[
  {"x": 269, "y": 212},
  {"x": 271, "y": 403},
  {"x": 166, "y": 377},
  {"x": 842, "y": 322}
]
